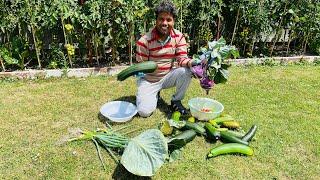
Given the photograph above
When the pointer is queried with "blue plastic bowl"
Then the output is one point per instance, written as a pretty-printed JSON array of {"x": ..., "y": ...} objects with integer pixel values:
[{"x": 196, "y": 104}]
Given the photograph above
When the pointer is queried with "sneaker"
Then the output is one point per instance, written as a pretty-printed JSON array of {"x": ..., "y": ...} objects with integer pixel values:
[{"x": 177, "y": 106}]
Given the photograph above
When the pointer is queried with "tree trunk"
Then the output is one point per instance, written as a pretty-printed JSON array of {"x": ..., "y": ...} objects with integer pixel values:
[
  {"x": 253, "y": 42},
  {"x": 36, "y": 45},
  {"x": 277, "y": 31},
  {"x": 65, "y": 40},
  {"x": 2, "y": 64},
  {"x": 88, "y": 45},
  {"x": 94, "y": 36},
  {"x": 289, "y": 41},
  {"x": 218, "y": 31},
  {"x": 305, "y": 44},
  {"x": 235, "y": 26},
  {"x": 131, "y": 39}
]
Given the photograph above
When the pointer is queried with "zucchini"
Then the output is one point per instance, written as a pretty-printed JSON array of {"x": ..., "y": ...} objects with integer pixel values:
[
  {"x": 250, "y": 134},
  {"x": 230, "y": 148},
  {"x": 181, "y": 139},
  {"x": 145, "y": 67},
  {"x": 196, "y": 127},
  {"x": 212, "y": 132},
  {"x": 233, "y": 139}
]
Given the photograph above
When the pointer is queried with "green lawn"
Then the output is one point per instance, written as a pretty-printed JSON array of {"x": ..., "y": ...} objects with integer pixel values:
[{"x": 283, "y": 101}]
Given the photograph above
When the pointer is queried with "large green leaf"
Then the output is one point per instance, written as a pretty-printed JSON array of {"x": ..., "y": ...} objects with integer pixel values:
[
  {"x": 145, "y": 153},
  {"x": 221, "y": 76}
]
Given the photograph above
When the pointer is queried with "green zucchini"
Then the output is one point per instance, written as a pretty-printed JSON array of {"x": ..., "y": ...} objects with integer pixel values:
[
  {"x": 196, "y": 127},
  {"x": 212, "y": 132},
  {"x": 233, "y": 139},
  {"x": 230, "y": 148},
  {"x": 145, "y": 67},
  {"x": 250, "y": 134}
]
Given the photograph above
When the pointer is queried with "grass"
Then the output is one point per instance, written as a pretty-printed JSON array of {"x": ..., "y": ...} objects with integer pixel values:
[{"x": 282, "y": 101}]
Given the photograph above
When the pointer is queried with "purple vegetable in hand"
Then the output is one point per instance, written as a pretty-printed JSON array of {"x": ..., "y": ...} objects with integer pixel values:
[
  {"x": 206, "y": 83},
  {"x": 198, "y": 71}
]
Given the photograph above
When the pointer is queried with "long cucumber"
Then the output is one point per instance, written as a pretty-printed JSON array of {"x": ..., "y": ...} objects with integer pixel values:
[
  {"x": 229, "y": 137},
  {"x": 250, "y": 134},
  {"x": 196, "y": 127},
  {"x": 212, "y": 132},
  {"x": 181, "y": 139},
  {"x": 230, "y": 148},
  {"x": 145, "y": 67}
]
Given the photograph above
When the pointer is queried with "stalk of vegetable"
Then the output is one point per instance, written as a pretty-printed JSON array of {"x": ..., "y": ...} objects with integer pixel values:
[{"x": 230, "y": 148}]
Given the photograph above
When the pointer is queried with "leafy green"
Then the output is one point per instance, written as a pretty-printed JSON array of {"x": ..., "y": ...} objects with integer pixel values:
[
  {"x": 145, "y": 153},
  {"x": 215, "y": 55}
]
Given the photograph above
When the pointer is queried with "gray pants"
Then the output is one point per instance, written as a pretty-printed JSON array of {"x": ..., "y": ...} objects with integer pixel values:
[{"x": 147, "y": 92}]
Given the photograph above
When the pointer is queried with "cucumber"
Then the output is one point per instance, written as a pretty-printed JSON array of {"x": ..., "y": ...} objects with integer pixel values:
[
  {"x": 236, "y": 133},
  {"x": 181, "y": 139},
  {"x": 250, "y": 134},
  {"x": 145, "y": 67},
  {"x": 196, "y": 127},
  {"x": 212, "y": 132},
  {"x": 230, "y": 148},
  {"x": 233, "y": 139}
]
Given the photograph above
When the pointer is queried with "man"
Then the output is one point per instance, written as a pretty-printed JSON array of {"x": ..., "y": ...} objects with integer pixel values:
[{"x": 167, "y": 47}]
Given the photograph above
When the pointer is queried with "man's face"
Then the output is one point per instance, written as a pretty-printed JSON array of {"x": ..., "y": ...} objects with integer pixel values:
[{"x": 164, "y": 23}]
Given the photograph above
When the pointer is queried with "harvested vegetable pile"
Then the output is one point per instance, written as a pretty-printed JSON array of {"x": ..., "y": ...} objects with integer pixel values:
[
  {"x": 144, "y": 154},
  {"x": 182, "y": 130}
]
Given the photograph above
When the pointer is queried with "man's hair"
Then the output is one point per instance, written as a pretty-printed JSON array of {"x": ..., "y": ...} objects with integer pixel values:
[{"x": 166, "y": 6}]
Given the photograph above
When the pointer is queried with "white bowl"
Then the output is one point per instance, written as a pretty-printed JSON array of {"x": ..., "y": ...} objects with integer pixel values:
[
  {"x": 196, "y": 104},
  {"x": 118, "y": 111}
]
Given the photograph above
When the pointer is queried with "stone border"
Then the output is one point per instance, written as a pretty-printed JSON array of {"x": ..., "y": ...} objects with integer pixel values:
[
  {"x": 72, "y": 72},
  {"x": 111, "y": 71},
  {"x": 279, "y": 59}
]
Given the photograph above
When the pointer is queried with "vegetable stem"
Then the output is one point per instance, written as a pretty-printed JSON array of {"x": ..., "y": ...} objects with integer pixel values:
[{"x": 99, "y": 153}]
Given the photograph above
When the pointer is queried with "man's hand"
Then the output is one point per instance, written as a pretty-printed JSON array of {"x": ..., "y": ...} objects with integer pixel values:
[
  {"x": 139, "y": 74},
  {"x": 195, "y": 63}
]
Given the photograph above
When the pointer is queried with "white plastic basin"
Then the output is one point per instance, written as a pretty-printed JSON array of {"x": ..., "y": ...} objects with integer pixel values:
[
  {"x": 118, "y": 111},
  {"x": 196, "y": 104}
]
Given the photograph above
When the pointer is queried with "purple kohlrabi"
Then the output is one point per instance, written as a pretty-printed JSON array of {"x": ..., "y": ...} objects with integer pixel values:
[
  {"x": 198, "y": 71},
  {"x": 206, "y": 83}
]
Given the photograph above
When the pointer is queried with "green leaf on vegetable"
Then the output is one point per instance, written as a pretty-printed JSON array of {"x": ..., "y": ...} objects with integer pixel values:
[
  {"x": 175, "y": 155},
  {"x": 221, "y": 76},
  {"x": 145, "y": 153}
]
